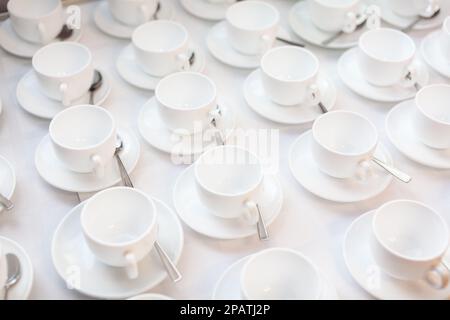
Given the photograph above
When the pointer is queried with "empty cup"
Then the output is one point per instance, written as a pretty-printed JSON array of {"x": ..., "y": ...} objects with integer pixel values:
[
  {"x": 334, "y": 15},
  {"x": 133, "y": 12}
]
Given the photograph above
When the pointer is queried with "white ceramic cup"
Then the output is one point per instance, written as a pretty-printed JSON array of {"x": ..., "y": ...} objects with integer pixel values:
[
  {"x": 343, "y": 144},
  {"x": 120, "y": 227},
  {"x": 36, "y": 21},
  {"x": 334, "y": 15},
  {"x": 3, "y": 268},
  {"x": 409, "y": 240},
  {"x": 432, "y": 116},
  {"x": 445, "y": 38},
  {"x": 187, "y": 102},
  {"x": 386, "y": 57},
  {"x": 229, "y": 179},
  {"x": 64, "y": 71},
  {"x": 412, "y": 8},
  {"x": 289, "y": 76},
  {"x": 84, "y": 138},
  {"x": 252, "y": 26},
  {"x": 132, "y": 12},
  {"x": 280, "y": 274},
  {"x": 162, "y": 47}
]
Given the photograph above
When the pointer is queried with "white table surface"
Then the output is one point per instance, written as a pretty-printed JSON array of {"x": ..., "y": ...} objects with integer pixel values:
[{"x": 315, "y": 227}]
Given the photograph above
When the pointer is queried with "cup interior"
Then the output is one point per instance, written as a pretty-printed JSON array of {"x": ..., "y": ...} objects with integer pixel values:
[
  {"x": 228, "y": 171},
  {"x": 387, "y": 45},
  {"x": 434, "y": 102},
  {"x": 411, "y": 230},
  {"x": 252, "y": 15},
  {"x": 32, "y": 9},
  {"x": 159, "y": 36},
  {"x": 186, "y": 91},
  {"x": 81, "y": 127},
  {"x": 344, "y": 132},
  {"x": 280, "y": 274},
  {"x": 289, "y": 64},
  {"x": 63, "y": 59},
  {"x": 118, "y": 216}
]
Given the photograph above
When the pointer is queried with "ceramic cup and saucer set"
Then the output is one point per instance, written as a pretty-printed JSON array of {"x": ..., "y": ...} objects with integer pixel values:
[
  {"x": 250, "y": 29},
  {"x": 119, "y": 18},
  {"x": 207, "y": 9},
  {"x": 31, "y": 25},
  {"x": 227, "y": 195},
  {"x": 420, "y": 128},
  {"x": 78, "y": 154},
  {"x": 316, "y": 21},
  {"x": 383, "y": 67},
  {"x": 21, "y": 290},
  {"x": 337, "y": 159},
  {"x": 190, "y": 122},
  {"x": 399, "y": 252},
  {"x": 108, "y": 243},
  {"x": 157, "y": 49},
  {"x": 436, "y": 49},
  {"x": 402, "y": 13},
  {"x": 288, "y": 87},
  {"x": 61, "y": 76},
  {"x": 7, "y": 180},
  {"x": 274, "y": 274}
]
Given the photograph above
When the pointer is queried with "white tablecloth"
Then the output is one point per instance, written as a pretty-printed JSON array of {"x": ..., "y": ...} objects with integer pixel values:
[{"x": 315, "y": 227}]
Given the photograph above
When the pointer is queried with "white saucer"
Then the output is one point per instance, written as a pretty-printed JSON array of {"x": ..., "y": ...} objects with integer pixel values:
[
  {"x": 198, "y": 217},
  {"x": 369, "y": 276},
  {"x": 228, "y": 285},
  {"x": 130, "y": 71},
  {"x": 402, "y": 22},
  {"x": 433, "y": 55},
  {"x": 260, "y": 102},
  {"x": 305, "y": 170},
  {"x": 57, "y": 175},
  {"x": 221, "y": 49},
  {"x": 154, "y": 131},
  {"x": 151, "y": 296},
  {"x": 206, "y": 10},
  {"x": 111, "y": 26},
  {"x": 301, "y": 23},
  {"x": 352, "y": 77},
  {"x": 400, "y": 131},
  {"x": 31, "y": 99},
  {"x": 79, "y": 268},
  {"x": 7, "y": 179},
  {"x": 22, "y": 289},
  {"x": 12, "y": 43}
]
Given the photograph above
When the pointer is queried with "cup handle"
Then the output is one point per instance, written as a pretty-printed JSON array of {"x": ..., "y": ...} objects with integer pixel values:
[
  {"x": 65, "y": 99},
  {"x": 42, "y": 32},
  {"x": 350, "y": 22},
  {"x": 145, "y": 13},
  {"x": 267, "y": 42},
  {"x": 413, "y": 75},
  {"x": 99, "y": 166},
  {"x": 364, "y": 170},
  {"x": 131, "y": 266},
  {"x": 253, "y": 216},
  {"x": 215, "y": 115},
  {"x": 183, "y": 60},
  {"x": 443, "y": 272}
]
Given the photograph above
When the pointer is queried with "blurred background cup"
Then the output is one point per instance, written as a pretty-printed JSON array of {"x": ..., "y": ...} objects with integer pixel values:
[
  {"x": 133, "y": 12},
  {"x": 37, "y": 21},
  {"x": 412, "y": 8},
  {"x": 334, "y": 15},
  {"x": 252, "y": 26}
]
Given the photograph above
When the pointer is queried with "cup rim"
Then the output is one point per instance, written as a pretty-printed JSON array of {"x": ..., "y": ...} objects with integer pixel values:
[
  {"x": 395, "y": 253},
  {"x": 84, "y": 106},
  {"x": 422, "y": 110},
  {"x": 21, "y": 15},
  {"x": 263, "y": 63},
  {"x": 229, "y": 195},
  {"x": 364, "y": 49},
  {"x": 369, "y": 148},
  {"x": 176, "y": 74},
  {"x": 67, "y": 43},
  {"x": 162, "y": 21},
  {"x": 298, "y": 254},
  {"x": 337, "y": 5},
  {"x": 268, "y": 26},
  {"x": 150, "y": 227}
]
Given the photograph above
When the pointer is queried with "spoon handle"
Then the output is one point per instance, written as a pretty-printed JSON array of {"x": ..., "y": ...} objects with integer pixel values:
[
  {"x": 261, "y": 225},
  {"x": 6, "y": 202},
  {"x": 332, "y": 38},
  {"x": 171, "y": 269},
  {"x": 412, "y": 25},
  {"x": 5, "y": 292},
  {"x": 393, "y": 171},
  {"x": 292, "y": 43},
  {"x": 123, "y": 173}
]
